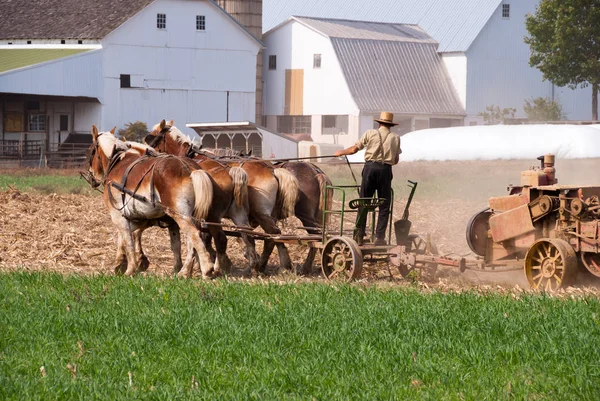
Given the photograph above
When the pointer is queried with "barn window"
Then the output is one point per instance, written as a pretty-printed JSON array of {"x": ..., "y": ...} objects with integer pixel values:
[
  {"x": 161, "y": 21},
  {"x": 272, "y": 62},
  {"x": 294, "y": 124},
  {"x": 125, "y": 81},
  {"x": 200, "y": 22},
  {"x": 37, "y": 122},
  {"x": 506, "y": 11},
  {"x": 334, "y": 124},
  {"x": 316, "y": 61},
  {"x": 62, "y": 42}
]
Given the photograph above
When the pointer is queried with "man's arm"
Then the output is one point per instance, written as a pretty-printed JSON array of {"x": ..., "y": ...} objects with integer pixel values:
[{"x": 348, "y": 151}]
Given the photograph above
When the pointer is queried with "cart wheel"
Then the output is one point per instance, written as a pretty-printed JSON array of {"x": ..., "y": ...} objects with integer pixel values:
[
  {"x": 341, "y": 259},
  {"x": 418, "y": 245},
  {"x": 477, "y": 229},
  {"x": 550, "y": 264},
  {"x": 591, "y": 261}
]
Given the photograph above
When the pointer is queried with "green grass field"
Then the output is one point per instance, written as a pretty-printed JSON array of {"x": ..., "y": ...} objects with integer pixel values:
[
  {"x": 44, "y": 181},
  {"x": 110, "y": 337}
]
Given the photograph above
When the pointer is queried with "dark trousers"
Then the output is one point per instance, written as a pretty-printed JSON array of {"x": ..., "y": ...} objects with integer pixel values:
[{"x": 377, "y": 177}]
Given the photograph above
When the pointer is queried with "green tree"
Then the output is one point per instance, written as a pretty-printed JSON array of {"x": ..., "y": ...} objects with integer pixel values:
[
  {"x": 134, "y": 131},
  {"x": 495, "y": 115},
  {"x": 543, "y": 109},
  {"x": 564, "y": 38}
]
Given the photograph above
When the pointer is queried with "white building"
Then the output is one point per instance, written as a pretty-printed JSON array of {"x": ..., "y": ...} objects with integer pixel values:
[
  {"x": 330, "y": 78},
  {"x": 481, "y": 42},
  {"x": 112, "y": 62}
]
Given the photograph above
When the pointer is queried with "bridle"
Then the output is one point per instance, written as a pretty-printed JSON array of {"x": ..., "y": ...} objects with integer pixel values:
[{"x": 112, "y": 161}]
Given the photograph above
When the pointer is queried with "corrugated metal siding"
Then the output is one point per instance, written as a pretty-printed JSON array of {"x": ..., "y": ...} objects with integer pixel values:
[
  {"x": 454, "y": 24},
  {"x": 401, "y": 77}
]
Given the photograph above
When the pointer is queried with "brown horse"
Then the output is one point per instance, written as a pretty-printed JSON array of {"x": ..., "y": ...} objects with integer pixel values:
[
  {"x": 230, "y": 199},
  {"x": 310, "y": 204},
  {"x": 272, "y": 193},
  {"x": 140, "y": 188}
]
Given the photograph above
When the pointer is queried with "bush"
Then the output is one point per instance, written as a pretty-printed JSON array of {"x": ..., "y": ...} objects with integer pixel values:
[
  {"x": 493, "y": 115},
  {"x": 134, "y": 131},
  {"x": 543, "y": 109}
]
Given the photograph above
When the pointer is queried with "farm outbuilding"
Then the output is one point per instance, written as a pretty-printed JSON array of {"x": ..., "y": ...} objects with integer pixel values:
[
  {"x": 246, "y": 137},
  {"x": 329, "y": 78},
  {"x": 113, "y": 62},
  {"x": 480, "y": 42}
]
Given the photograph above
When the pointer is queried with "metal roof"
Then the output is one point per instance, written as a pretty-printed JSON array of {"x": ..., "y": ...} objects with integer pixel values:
[
  {"x": 454, "y": 24},
  {"x": 11, "y": 59},
  {"x": 401, "y": 77},
  {"x": 335, "y": 28}
]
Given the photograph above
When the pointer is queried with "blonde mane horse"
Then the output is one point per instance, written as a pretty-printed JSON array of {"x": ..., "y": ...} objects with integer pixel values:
[
  {"x": 272, "y": 193},
  {"x": 138, "y": 188}
]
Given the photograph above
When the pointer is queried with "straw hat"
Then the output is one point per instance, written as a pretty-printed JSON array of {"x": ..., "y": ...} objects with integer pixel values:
[{"x": 386, "y": 118}]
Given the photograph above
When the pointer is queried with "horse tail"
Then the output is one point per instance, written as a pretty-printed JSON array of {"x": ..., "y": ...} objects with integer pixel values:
[
  {"x": 240, "y": 186},
  {"x": 203, "y": 193},
  {"x": 287, "y": 194},
  {"x": 324, "y": 181}
]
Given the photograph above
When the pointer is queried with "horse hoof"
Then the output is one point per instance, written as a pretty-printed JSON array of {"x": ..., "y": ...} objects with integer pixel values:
[
  {"x": 184, "y": 274},
  {"x": 144, "y": 263}
]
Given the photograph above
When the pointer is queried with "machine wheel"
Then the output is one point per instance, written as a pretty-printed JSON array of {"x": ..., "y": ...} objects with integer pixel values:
[
  {"x": 591, "y": 261},
  {"x": 550, "y": 264},
  {"x": 418, "y": 245},
  {"x": 341, "y": 259},
  {"x": 477, "y": 230}
]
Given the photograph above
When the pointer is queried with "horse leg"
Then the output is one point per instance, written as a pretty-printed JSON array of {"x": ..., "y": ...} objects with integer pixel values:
[
  {"x": 121, "y": 258},
  {"x": 307, "y": 267},
  {"x": 268, "y": 224},
  {"x": 137, "y": 240},
  {"x": 241, "y": 219},
  {"x": 125, "y": 228},
  {"x": 175, "y": 237},
  {"x": 223, "y": 263},
  {"x": 193, "y": 237}
]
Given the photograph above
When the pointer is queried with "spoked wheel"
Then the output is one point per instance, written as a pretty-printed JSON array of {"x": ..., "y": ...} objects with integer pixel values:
[
  {"x": 341, "y": 259},
  {"x": 418, "y": 245},
  {"x": 591, "y": 261},
  {"x": 550, "y": 264}
]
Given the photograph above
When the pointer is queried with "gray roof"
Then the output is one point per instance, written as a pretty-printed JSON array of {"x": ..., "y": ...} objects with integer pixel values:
[
  {"x": 72, "y": 19},
  {"x": 336, "y": 28},
  {"x": 453, "y": 23},
  {"x": 402, "y": 77}
]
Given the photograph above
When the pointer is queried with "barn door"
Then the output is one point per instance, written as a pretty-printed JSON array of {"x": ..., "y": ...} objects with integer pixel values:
[
  {"x": 61, "y": 130},
  {"x": 294, "y": 92}
]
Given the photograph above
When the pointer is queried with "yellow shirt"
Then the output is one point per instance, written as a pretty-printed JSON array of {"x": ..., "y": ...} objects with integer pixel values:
[{"x": 374, "y": 151}]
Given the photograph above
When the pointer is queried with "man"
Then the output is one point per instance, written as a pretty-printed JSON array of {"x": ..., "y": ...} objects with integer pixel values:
[{"x": 381, "y": 153}]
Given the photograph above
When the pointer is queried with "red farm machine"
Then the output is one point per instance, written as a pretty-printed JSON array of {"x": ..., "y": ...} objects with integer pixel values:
[{"x": 551, "y": 230}]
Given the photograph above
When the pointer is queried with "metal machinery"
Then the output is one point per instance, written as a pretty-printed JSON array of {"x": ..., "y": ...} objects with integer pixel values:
[{"x": 549, "y": 228}]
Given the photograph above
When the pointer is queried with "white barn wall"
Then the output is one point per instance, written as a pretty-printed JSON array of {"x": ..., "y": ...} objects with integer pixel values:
[
  {"x": 183, "y": 74},
  {"x": 325, "y": 89},
  {"x": 499, "y": 72},
  {"x": 456, "y": 65}
]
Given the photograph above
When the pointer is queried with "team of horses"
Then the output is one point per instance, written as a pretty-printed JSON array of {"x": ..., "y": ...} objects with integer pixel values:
[{"x": 168, "y": 182}]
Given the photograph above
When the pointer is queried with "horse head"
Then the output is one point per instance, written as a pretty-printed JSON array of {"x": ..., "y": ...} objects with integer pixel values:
[{"x": 104, "y": 148}]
